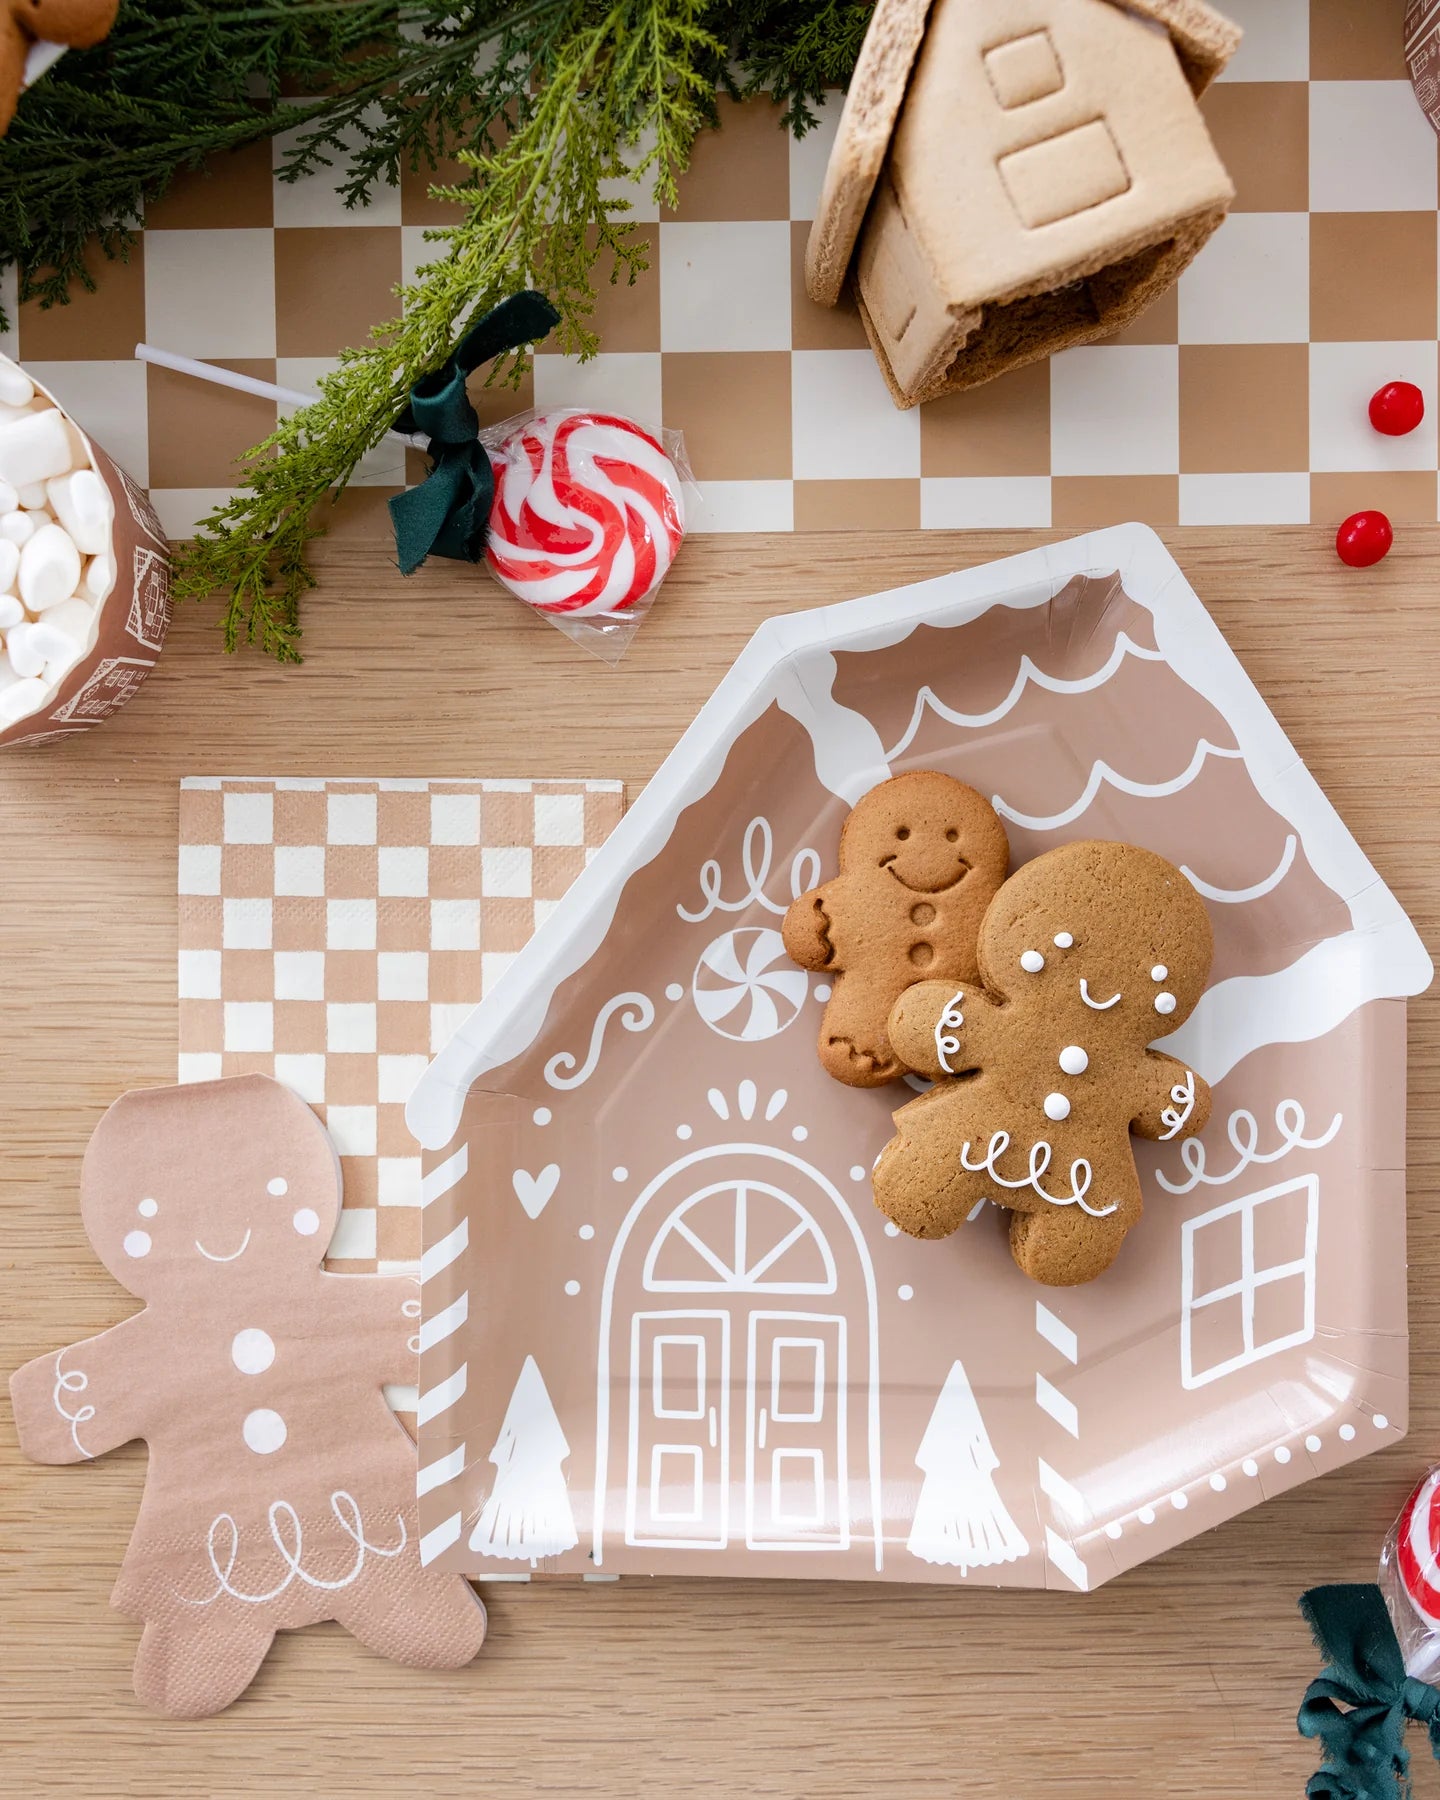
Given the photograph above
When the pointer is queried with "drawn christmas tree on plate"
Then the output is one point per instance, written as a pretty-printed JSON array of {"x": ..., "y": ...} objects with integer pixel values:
[
  {"x": 528, "y": 1513},
  {"x": 960, "y": 1519}
]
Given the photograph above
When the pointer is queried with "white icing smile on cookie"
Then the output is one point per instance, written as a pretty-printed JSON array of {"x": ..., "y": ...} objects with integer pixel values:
[
  {"x": 210, "y": 1255},
  {"x": 1098, "y": 1005}
]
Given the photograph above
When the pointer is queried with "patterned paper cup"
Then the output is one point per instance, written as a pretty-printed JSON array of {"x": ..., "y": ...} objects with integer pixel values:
[{"x": 129, "y": 625}]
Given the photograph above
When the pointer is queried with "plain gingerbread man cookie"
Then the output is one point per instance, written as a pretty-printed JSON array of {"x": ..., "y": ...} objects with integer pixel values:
[
  {"x": 1043, "y": 1069},
  {"x": 921, "y": 857},
  {"x": 77, "y": 24},
  {"x": 281, "y": 1487}
]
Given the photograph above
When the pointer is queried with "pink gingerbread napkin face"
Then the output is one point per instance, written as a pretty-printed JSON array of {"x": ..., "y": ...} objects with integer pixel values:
[{"x": 281, "y": 1488}]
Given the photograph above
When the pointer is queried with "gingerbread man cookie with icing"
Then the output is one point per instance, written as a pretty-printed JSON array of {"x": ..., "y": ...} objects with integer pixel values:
[
  {"x": 77, "y": 24},
  {"x": 921, "y": 857},
  {"x": 1043, "y": 1068}
]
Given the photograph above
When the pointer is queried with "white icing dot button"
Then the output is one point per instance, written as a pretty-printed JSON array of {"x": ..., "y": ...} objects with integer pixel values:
[
  {"x": 572, "y": 1288},
  {"x": 1164, "y": 1003},
  {"x": 1312, "y": 1443},
  {"x": 306, "y": 1221},
  {"x": 1063, "y": 940},
  {"x": 1159, "y": 972},
  {"x": 264, "y": 1431},
  {"x": 1347, "y": 1433},
  {"x": 147, "y": 1209},
  {"x": 1032, "y": 962},
  {"x": 1074, "y": 1060},
  {"x": 1217, "y": 1481},
  {"x": 905, "y": 1291},
  {"x": 1113, "y": 1529},
  {"x": 277, "y": 1185},
  {"x": 252, "y": 1351},
  {"x": 137, "y": 1243},
  {"x": 1057, "y": 1107},
  {"x": 1282, "y": 1455},
  {"x": 1250, "y": 1466}
]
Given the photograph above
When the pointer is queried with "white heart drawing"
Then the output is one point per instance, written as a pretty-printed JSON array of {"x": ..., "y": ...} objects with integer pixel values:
[{"x": 534, "y": 1191}]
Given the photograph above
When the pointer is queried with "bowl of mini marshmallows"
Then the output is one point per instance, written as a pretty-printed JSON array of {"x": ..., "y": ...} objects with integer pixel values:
[{"x": 84, "y": 573}]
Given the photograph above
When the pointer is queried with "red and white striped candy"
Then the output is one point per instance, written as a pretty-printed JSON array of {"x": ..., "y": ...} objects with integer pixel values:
[
  {"x": 587, "y": 515},
  {"x": 1417, "y": 1552}
]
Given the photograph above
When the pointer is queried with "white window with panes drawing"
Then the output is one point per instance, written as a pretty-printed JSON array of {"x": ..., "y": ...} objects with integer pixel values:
[{"x": 1247, "y": 1275}]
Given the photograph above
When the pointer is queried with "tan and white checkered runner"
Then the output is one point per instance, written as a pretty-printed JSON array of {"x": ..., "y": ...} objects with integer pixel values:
[
  {"x": 1238, "y": 399},
  {"x": 334, "y": 933}
]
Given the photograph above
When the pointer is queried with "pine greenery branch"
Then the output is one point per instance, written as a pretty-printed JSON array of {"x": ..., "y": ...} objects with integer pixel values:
[
  {"x": 791, "y": 51},
  {"x": 618, "y": 90},
  {"x": 384, "y": 85}
]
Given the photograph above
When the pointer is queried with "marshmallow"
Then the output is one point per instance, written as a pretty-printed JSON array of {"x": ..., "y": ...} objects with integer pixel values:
[
  {"x": 32, "y": 646},
  {"x": 9, "y": 499},
  {"x": 49, "y": 568},
  {"x": 8, "y": 677},
  {"x": 18, "y": 527},
  {"x": 73, "y": 617},
  {"x": 16, "y": 387},
  {"x": 33, "y": 497},
  {"x": 81, "y": 502},
  {"x": 37, "y": 446},
  {"x": 21, "y": 699},
  {"x": 11, "y": 611},
  {"x": 9, "y": 563},
  {"x": 99, "y": 576}
]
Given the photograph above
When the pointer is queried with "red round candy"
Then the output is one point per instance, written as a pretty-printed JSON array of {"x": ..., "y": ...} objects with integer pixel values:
[
  {"x": 1397, "y": 408},
  {"x": 1363, "y": 539}
]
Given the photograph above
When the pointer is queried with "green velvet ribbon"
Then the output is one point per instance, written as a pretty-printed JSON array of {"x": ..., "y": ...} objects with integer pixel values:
[
  {"x": 449, "y": 513},
  {"x": 1365, "y": 1754}
]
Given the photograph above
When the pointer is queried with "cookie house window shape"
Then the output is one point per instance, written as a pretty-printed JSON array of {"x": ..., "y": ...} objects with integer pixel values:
[
  {"x": 739, "y": 1236},
  {"x": 1269, "y": 1239}
]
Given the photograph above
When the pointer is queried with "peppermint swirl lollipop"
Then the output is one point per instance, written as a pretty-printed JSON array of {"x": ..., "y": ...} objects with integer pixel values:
[{"x": 587, "y": 514}]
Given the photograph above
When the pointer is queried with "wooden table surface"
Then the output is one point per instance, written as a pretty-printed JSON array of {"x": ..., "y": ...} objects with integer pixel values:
[{"x": 1179, "y": 1679}]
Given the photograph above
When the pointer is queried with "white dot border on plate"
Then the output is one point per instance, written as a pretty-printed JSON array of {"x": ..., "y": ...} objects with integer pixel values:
[{"x": 1218, "y": 1482}]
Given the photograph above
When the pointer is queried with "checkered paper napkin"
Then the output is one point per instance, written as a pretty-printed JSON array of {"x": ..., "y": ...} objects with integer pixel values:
[
  {"x": 333, "y": 934},
  {"x": 1238, "y": 399}
]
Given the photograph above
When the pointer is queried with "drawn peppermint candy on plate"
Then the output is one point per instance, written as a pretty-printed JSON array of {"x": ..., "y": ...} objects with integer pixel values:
[
  {"x": 1416, "y": 1550},
  {"x": 587, "y": 514},
  {"x": 746, "y": 987}
]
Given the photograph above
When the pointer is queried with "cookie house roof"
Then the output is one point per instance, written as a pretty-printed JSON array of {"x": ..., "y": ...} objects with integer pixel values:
[
  {"x": 1204, "y": 42},
  {"x": 790, "y": 663}
]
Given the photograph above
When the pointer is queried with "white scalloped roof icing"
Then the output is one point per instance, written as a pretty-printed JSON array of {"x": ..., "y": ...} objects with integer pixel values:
[{"x": 790, "y": 662}]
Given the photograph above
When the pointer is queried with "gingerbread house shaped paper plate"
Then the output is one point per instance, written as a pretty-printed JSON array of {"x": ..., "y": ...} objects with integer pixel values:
[{"x": 665, "y": 1328}]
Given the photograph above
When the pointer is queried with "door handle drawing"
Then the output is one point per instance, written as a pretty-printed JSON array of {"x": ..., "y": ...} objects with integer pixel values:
[
  {"x": 764, "y": 1424},
  {"x": 714, "y": 1430}
]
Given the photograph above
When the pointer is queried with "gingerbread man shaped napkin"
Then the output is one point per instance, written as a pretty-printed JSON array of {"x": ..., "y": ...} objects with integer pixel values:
[{"x": 281, "y": 1488}]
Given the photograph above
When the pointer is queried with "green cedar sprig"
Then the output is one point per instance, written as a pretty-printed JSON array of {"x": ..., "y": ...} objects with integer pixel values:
[
  {"x": 546, "y": 104},
  {"x": 620, "y": 92}
]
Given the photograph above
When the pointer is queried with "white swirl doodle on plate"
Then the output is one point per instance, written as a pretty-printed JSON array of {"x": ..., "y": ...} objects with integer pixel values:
[
  {"x": 639, "y": 1017},
  {"x": 757, "y": 853},
  {"x": 1243, "y": 1132}
]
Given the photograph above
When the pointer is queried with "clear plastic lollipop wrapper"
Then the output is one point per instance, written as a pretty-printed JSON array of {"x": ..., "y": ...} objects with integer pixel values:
[
  {"x": 1410, "y": 1580},
  {"x": 589, "y": 513}
]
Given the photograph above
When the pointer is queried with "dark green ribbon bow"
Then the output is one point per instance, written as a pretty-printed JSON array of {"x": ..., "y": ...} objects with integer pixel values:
[
  {"x": 1365, "y": 1754},
  {"x": 449, "y": 513}
]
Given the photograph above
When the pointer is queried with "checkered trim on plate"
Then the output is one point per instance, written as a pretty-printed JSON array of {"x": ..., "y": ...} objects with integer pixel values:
[
  {"x": 334, "y": 934},
  {"x": 1238, "y": 399}
]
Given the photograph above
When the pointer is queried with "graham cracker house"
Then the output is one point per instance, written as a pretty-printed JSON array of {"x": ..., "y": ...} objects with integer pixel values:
[{"x": 1012, "y": 177}]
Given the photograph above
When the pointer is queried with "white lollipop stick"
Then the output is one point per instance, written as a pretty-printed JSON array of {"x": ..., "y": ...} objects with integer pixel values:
[{"x": 249, "y": 384}]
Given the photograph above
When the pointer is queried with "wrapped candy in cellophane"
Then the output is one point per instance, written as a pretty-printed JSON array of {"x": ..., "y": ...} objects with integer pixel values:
[{"x": 588, "y": 514}]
